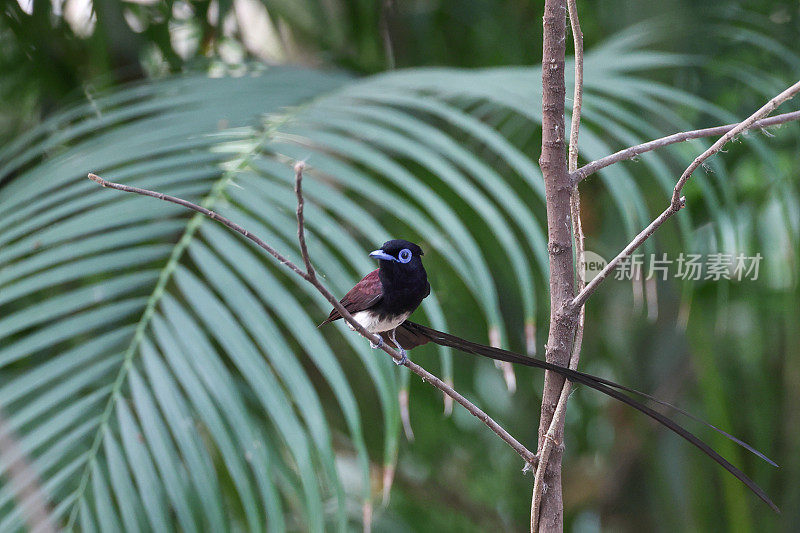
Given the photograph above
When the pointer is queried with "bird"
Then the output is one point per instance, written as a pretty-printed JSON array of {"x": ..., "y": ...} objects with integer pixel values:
[{"x": 385, "y": 298}]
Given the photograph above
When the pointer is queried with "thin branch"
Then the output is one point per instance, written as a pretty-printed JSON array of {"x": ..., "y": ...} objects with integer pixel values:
[
  {"x": 529, "y": 457},
  {"x": 631, "y": 152},
  {"x": 577, "y": 95},
  {"x": 587, "y": 291},
  {"x": 557, "y": 423},
  {"x": 551, "y": 441},
  {"x": 677, "y": 202},
  {"x": 765, "y": 110},
  {"x": 202, "y": 210},
  {"x": 301, "y": 231}
]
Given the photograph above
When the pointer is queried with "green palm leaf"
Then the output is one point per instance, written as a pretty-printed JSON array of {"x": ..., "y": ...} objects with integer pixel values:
[{"x": 161, "y": 373}]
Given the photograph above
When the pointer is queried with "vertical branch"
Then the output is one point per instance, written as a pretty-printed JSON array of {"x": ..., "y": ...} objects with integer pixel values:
[
  {"x": 577, "y": 94},
  {"x": 556, "y": 429},
  {"x": 301, "y": 234},
  {"x": 563, "y": 210},
  {"x": 548, "y": 515},
  {"x": 575, "y": 197}
]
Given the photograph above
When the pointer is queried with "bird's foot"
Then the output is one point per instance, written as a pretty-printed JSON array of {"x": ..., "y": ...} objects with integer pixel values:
[
  {"x": 400, "y": 349},
  {"x": 375, "y": 346},
  {"x": 404, "y": 359}
]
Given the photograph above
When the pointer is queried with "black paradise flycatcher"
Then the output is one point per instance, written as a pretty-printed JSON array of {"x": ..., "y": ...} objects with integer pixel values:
[{"x": 384, "y": 299}]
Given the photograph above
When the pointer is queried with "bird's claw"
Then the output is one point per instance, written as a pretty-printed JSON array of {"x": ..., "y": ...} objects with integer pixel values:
[
  {"x": 380, "y": 343},
  {"x": 400, "y": 350}
]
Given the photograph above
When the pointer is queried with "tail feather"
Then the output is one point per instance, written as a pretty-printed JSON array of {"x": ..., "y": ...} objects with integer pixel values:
[{"x": 411, "y": 334}]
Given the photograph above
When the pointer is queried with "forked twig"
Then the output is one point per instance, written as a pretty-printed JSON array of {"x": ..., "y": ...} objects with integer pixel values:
[
  {"x": 309, "y": 275},
  {"x": 632, "y": 151},
  {"x": 677, "y": 202}
]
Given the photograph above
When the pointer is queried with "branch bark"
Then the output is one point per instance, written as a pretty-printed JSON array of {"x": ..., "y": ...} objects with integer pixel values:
[
  {"x": 310, "y": 276},
  {"x": 677, "y": 202},
  {"x": 555, "y": 431},
  {"x": 559, "y": 180},
  {"x": 631, "y": 152},
  {"x": 548, "y": 515}
]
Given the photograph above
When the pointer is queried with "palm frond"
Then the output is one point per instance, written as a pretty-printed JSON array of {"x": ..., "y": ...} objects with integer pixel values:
[{"x": 162, "y": 373}]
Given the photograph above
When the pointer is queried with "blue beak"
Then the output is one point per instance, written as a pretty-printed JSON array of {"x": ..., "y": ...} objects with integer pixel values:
[{"x": 380, "y": 254}]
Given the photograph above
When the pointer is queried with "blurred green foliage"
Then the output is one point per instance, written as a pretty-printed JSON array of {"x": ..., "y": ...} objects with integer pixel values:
[{"x": 728, "y": 352}]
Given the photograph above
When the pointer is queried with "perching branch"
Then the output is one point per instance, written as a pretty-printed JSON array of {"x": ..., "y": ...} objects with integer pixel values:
[
  {"x": 631, "y": 152},
  {"x": 677, "y": 202},
  {"x": 310, "y": 276},
  {"x": 555, "y": 432}
]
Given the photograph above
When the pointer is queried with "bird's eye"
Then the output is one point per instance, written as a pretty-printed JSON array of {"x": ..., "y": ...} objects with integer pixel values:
[{"x": 404, "y": 256}]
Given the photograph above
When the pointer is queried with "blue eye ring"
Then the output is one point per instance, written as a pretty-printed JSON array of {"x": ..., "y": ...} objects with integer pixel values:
[{"x": 404, "y": 256}]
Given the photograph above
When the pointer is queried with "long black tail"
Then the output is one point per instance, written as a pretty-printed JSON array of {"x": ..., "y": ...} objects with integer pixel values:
[{"x": 411, "y": 334}]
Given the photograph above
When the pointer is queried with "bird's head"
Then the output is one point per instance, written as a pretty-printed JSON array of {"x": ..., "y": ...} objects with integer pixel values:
[
  {"x": 398, "y": 255},
  {"x": 403, "y": 278}
]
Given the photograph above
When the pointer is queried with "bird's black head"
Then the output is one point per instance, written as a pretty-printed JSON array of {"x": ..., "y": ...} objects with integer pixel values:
[
  {"x": 399, "y": 254},
  {"x": 401, "y": 272},
  {"x": 404, "y": 280}
]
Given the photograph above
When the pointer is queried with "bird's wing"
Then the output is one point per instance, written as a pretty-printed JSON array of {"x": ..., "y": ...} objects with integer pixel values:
[
  {"x": 410, "y": 334},
  {"x": 364, "y": 295}
]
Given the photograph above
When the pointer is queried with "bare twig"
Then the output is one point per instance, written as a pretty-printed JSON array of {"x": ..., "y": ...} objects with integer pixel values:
[
  {"x": 207, "y": 212},
  {"x": 631, "y": 152},
  {"x": 529, "y": 457},
  {"x": 551, "y": 442},
  {"x": 556, "y": 429},
  {"x": 677, "y": 202},
  {"x": 587, "y": 291},
  {"x": 765, "y": 110},
  {"x": 577, "y": 95},
  {"x": 301, "y": 225}
]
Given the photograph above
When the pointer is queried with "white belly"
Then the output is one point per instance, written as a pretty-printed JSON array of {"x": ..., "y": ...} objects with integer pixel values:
[{"x": 374, "y": 324}]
